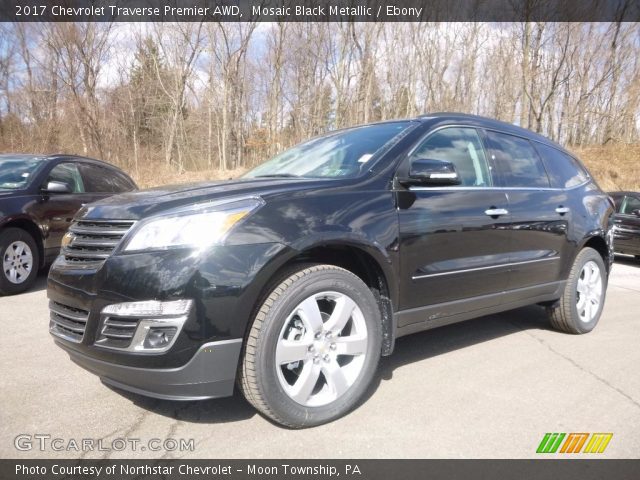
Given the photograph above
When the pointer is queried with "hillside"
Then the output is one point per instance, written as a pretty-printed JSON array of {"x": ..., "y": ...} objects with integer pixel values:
[{"x": 615, "y": 167}]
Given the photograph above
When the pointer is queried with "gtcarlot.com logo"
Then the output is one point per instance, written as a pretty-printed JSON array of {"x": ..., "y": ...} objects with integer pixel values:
[
  {"x": 574, "y": 442},
  {"x": 45, "y": 442}
]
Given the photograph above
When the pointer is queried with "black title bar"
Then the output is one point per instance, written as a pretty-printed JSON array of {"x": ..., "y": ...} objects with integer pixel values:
[
  {"x": 320, "y": 10},
  {"x": 578, "y": 469}
]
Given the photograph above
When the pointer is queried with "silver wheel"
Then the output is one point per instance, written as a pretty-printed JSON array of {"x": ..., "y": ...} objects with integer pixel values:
[
  {"x": 321, "y": 349},
  {"x": 17, "y": 262},
  {"x": 589, "y": 291},
  {"x": 579, "y": 308}
]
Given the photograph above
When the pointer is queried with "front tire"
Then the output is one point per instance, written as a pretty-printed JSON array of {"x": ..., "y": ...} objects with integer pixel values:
[
  {"x": 578, "y": 310},
  {"x": 19, "y": 261},
  {"x": 313, "y": 347}
]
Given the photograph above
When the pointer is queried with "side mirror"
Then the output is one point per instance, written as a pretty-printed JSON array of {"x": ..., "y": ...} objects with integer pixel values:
[
  {"x": 636, "y": 212},
  {"x": 427, "y": 171},
  {"x": 56, "y": 187}
]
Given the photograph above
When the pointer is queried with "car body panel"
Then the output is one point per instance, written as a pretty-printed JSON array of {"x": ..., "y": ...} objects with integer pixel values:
[
  {"x": 539, "y": 236},
  {"x": 449, "y": 248}
]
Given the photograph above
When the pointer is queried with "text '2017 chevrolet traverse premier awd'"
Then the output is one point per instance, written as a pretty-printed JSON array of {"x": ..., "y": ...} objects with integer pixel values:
[{"x": 293, "y": 280}]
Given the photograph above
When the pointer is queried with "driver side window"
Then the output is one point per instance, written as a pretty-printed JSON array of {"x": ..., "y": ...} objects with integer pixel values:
[
  {"x": 630, "y": 205},
  {"x": 463, "y": 148},
  {"x": 68, "y": 174}
]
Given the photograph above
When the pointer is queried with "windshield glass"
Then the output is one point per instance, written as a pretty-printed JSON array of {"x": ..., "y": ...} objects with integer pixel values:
[
  {"x": 341, "y": 154},
  {"x": 15, "y": 172}
]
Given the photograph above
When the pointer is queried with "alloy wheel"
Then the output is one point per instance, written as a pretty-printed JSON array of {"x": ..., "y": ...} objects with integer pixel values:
[
  {"x": 589, "y": 291},
  {"x": 17, "y": 262},
  {"x": 321, "y": 349}
]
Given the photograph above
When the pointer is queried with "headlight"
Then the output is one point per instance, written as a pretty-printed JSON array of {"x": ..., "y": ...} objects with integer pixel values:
[{"x": 190, "y": 228}]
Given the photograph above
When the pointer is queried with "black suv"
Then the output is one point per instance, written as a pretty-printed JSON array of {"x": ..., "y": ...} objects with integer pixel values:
[
  {"x": 39, "y": 195},
  {"x": 293, "y": 280}
]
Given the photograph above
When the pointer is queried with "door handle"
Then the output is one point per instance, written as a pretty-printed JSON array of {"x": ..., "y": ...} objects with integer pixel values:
[
  {"x": 496, "y": 212},
  {"x": 562, "y": 210}
]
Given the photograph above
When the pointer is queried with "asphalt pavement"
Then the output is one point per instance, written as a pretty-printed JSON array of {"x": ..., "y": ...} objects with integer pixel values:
[{"x": 486, "y": 388}]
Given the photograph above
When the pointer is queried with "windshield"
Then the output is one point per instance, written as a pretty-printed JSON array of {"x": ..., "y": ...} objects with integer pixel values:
[
  {"x": 338, "y": 155},
  {"x": 15, "y": 172}
]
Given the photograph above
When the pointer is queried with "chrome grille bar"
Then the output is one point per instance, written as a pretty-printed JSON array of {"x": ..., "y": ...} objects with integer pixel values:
[
  {"x": 67, "y": 322},
  {"x": 93, "y": 241}
]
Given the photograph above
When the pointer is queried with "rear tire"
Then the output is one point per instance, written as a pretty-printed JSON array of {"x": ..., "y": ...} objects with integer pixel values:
[
  {"x": 313, "y": 347},
  {"x": 578, "y": 310},
  {"x": 19, "y": 261}
]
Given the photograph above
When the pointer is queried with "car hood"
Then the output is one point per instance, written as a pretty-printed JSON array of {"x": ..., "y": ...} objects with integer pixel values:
[
  {"x": 8, "y": 197},
  {"x": 145, "y": 203}
]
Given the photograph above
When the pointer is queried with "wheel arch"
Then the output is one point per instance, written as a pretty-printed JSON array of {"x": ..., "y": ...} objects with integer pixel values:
[
  {"x": 600, "y": 245},
  {"x": 361, "y": 260}
]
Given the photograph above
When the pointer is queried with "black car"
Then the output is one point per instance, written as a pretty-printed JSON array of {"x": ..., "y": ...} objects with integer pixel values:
[
  {"x": 39, "y": 195},
  {"x": 293, "y": 280},
  {"x": 627, "y": 223}
]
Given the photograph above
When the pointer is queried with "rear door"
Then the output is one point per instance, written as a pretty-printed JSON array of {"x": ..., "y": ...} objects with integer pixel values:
[
  {"x": 454, "y": 241},
  {"x": 540, "y": 214}
]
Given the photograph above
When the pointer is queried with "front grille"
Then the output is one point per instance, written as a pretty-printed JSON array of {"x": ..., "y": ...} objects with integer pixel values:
[
  {"x": 67, "y": 322},
  {"x": 94, "y": 240},
  {"x": 117, "y": 332}
]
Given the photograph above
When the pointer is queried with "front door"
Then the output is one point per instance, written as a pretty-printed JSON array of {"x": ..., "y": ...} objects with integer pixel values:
[
  {"x": 454, "y": 241},
  {"x": 56, "y": 210}
]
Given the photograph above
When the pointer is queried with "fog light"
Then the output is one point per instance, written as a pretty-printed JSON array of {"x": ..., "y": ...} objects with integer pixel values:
[
  {"x": 148, "y": 326},
  {"x": 159, "y": 337}
]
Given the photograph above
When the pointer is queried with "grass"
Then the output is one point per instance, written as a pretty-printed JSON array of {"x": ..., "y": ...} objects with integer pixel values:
[
  {"x": 154, "y": 175},
  {"x": 615, "y": 167}
]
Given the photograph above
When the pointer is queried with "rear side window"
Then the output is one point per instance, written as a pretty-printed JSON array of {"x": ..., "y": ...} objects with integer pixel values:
[
  {"x": 103, "y": 180},
  {"x": 517, "y": 161},
  {"x": 120, "y": 183},
  {"x": 463, "y": 148},
  {"x": 564, "y": 171},
  {"x": 68, "y": 174}
]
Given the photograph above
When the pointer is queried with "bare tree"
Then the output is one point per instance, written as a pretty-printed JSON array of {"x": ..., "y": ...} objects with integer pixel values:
[
  {"x": 180, "y": 44},
  {"x": 226, "y": 95},
  {"x": 81, "y": 51}
]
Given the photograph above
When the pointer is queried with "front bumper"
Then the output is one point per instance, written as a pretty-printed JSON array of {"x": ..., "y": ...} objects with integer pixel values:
[
  {"x": 222, "y": 284},
  {"x": 209, "y": 374}
]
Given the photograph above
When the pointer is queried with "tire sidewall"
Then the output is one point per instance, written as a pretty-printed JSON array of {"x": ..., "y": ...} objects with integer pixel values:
[
  {"x": 585, "y": 256},
  {"x": 339, "y": 281},
  {"x": 7, "y": 237}
]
